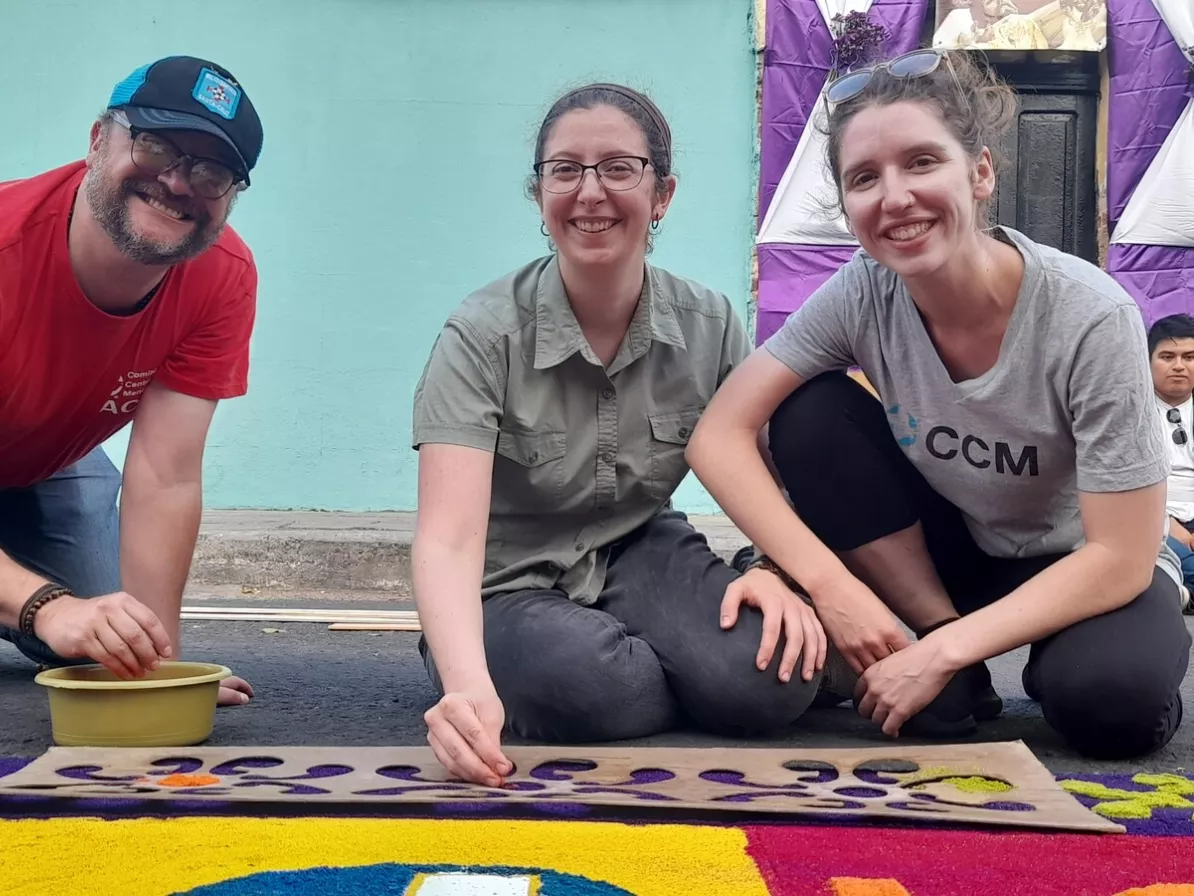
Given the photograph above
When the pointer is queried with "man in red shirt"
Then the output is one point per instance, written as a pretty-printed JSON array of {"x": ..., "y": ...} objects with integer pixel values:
[{"x": 124, "y": 298}]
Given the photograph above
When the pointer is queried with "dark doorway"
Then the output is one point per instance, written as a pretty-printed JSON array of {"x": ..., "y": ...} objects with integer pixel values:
[{"x": 1047, "y": 187}]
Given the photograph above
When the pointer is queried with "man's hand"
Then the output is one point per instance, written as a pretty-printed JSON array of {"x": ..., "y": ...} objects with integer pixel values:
[
  {"x": 783, "y": 612},
  {"x": 862, "y": 629},
  {"x": 464, "y": 730},
  {"x": 116, "y": 630},
  {"x": 234, "y": 691},
  {"x": 895, "y": 689}
]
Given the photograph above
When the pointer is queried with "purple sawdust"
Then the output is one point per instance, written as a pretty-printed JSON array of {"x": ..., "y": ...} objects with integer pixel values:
[
  {"x": 240, "y": 766},
  {"x": 879, "y": 771},
  {"x": 650, "y": 776},
  {"x": 637, "y": 794},
  {"x": 88, "y": 773},
  {"x": 561, "y": 769},
  {"x": 824, "y": 771},
  {"x": 329, "y": 771},
  {"x": 864, "y": 793}
]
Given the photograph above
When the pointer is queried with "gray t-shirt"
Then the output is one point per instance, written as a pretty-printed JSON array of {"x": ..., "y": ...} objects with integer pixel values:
[{"x": 1067, "y": 406}]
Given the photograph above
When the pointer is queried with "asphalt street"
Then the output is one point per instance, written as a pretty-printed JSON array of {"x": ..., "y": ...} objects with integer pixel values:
[{"x": 320, "y": 688}]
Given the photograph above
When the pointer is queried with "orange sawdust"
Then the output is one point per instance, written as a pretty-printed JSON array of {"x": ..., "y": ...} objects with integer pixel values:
[{"x": 188, "y": 781}]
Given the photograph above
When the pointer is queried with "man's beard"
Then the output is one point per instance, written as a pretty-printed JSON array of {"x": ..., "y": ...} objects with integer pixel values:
[{"x": 110, "y": 207}]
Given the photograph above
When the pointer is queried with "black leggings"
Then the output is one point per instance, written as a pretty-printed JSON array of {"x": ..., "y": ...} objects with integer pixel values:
[{"x": 1110, "y": 685}]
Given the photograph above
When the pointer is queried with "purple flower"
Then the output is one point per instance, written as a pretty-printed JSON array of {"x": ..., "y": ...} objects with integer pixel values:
[{"x": 857, "y": 40}]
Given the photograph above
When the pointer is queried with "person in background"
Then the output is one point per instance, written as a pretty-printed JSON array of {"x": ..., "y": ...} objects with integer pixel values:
[
  {"x": 124, "y": 299},
  {"x": 1171, "y": 354},
  {"x": 1008, "y": 488},
  {"x": 558, "y": 591}
]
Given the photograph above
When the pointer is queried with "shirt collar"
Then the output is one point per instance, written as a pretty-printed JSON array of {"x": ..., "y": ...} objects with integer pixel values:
[{"x": 558, "y": 334}]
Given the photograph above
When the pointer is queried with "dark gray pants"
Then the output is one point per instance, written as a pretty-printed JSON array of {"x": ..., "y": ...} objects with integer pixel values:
[
  {"x": 1110, "y": 685},
  {"x": 647, "y": 657}
]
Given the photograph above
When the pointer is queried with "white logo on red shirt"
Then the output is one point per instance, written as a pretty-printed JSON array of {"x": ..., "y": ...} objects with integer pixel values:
[{"x": 127, "y": 394}]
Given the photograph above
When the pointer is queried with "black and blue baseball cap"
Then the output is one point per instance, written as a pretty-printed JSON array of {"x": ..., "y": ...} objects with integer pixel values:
[{"x": 182, "y": 93}]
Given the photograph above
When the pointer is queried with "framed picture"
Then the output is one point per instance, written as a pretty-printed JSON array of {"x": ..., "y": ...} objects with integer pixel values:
[{"x": 1074, "y": 25}]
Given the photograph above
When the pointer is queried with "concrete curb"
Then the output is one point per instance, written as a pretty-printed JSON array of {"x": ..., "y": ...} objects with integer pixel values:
[{"x": 338, "y": 551}]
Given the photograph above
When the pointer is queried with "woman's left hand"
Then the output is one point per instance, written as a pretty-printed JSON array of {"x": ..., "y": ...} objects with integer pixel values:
[
  {"x": 783, "y": 612},
  {"x": 899, "y": 686}
]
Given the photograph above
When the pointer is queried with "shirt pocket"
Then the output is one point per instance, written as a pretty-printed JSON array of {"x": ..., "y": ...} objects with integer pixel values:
[
  {"x": 670, "y": 432},
  {"x": 529, "y": 468}
]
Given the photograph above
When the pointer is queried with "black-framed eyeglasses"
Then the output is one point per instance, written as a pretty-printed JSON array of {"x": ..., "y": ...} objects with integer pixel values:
[
  {"x": 1174, "y": 416},
  {"x": 156, "y": 155},
  {"x": 916, "y": 64},
  {"x": 616, "y": 173}
]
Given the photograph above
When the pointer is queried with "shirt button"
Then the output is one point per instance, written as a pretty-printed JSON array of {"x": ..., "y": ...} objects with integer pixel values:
[
  {"x": 684, "y": 432},
  {"x": 534, "y": 455},
  {"x": 608, "y": 457},
  {"x": 607, "y": 394},
  {"x": 579, "y": 546}
]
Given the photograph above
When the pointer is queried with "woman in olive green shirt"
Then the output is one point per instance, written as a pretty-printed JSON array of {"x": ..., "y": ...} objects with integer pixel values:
[{"x": 558, "y": 590}]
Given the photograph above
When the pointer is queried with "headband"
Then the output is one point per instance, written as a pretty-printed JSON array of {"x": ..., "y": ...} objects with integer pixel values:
[{"x": 642, "y": 102}]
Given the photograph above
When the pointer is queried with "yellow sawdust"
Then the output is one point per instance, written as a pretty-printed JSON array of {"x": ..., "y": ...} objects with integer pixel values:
[
  {"x": 1170, "y": 792},
  {"x": 156, "y": 857}
]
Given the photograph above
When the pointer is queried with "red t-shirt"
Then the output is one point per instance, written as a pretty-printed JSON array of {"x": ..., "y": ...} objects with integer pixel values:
[{"x": 71, "y": 375}]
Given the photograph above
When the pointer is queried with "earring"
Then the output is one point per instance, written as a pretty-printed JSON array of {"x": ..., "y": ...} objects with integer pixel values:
[
  {"x": 655, "y": 225},
  {"x": 543, "y": 229}
]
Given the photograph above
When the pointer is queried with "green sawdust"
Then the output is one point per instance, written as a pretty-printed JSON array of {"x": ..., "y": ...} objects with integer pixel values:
[
  {"x": 1170, "y": 792},
  {"x": 968, "y": 783}
]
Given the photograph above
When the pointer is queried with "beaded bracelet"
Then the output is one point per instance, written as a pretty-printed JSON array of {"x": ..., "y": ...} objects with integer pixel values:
[{"x": 36, "y": 601}]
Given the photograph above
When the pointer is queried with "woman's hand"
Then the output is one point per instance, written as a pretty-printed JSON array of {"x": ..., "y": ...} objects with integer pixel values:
[
  {"x": 895, "y": 689},
  {"x": 465, "y": 730},
  {"x": 862, "y": 629},
  {"x": 783, "y": 612}
]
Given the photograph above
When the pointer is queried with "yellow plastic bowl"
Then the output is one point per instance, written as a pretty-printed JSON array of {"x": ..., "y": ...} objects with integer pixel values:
[{"x": 173, "y": 706}]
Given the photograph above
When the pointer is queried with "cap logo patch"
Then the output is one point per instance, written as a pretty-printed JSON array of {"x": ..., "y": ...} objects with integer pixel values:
[{"x": 217, "y": 93}]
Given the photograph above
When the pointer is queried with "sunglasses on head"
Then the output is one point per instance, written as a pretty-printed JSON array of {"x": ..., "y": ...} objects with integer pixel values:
[{"x": 916, "y": 64}]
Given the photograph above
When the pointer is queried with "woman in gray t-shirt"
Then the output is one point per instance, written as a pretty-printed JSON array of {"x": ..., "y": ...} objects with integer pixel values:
[{"x": 1008, "y": 485}]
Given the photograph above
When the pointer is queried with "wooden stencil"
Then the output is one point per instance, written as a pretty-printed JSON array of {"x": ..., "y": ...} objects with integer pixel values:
[{"x": 994, "y": 783}]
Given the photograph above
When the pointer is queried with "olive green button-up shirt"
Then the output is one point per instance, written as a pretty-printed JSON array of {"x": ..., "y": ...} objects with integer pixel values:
[{"x": 583, "y": 454}]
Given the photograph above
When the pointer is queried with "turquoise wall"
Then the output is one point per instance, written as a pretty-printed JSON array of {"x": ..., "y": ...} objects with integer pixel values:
[{"x": 397, "y": 138}]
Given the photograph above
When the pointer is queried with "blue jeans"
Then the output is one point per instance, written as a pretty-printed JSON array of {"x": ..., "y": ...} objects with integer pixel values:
[
  {"x": 67, "y": 529},
  {"x": 1186, "y": 556}
]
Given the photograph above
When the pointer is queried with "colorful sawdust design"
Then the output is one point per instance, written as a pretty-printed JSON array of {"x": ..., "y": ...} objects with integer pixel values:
[
  {"x": 1154, "y": 804},
  {"x": 403, "y": 857},
  {"x": 237, "y": 855}
]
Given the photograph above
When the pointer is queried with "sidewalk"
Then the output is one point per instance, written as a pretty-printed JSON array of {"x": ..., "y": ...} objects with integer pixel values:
[{"x": 336, "y": 551}]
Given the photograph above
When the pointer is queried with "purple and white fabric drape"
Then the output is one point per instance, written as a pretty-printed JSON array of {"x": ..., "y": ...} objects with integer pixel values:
[
  {"x": 800, "y": 242},
  {"x": 1150, "y": 180}
]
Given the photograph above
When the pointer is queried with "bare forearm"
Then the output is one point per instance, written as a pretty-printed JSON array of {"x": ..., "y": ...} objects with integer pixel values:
[
  {"x": 159, "y": 525},
  {"x": 1178, "y": 531},
  {"x": 1091, "y": 581},
  {"x": 16, "y": 585},
  {"x": 447, "y": 582},
  {"x": 732, "y": 468}
]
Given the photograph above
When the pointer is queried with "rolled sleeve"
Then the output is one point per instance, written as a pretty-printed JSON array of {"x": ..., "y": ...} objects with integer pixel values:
[{"x": 458, "y": 400}]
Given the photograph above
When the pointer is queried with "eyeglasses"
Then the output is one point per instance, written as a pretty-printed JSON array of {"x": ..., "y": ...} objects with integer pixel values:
[
  {"x": 156, "y": 155},
  {"x": 1173, "y": 415},
  {"x": 617, "y": 173},
  {"x": 916, "y": 64}
]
